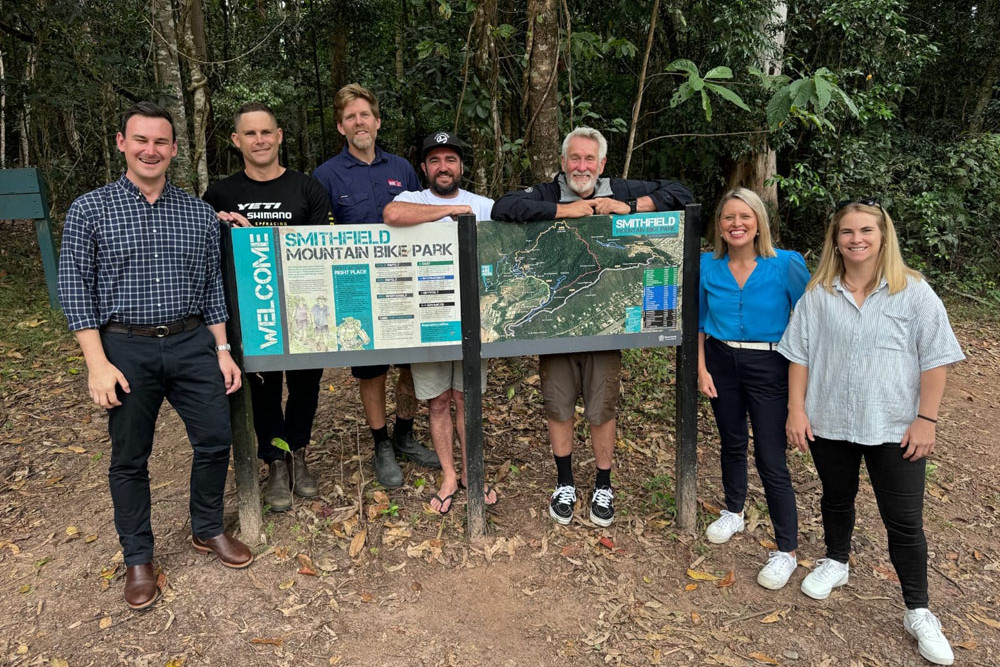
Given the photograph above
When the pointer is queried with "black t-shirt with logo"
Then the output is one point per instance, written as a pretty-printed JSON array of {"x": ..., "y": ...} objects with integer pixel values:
[{"x": 290, "y": 199}]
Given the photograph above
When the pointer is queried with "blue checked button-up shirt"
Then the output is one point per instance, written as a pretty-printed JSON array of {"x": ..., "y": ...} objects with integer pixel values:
[
  {"x": 865, "y": 363},
  {"x": 126, "y": 260}
]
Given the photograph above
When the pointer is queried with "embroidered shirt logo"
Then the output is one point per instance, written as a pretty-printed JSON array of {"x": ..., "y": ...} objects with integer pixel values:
[{"x": 394, "y": 183}]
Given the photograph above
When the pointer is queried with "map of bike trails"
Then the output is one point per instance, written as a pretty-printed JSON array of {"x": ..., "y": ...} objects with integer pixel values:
[{"x": 575, "y": 278}]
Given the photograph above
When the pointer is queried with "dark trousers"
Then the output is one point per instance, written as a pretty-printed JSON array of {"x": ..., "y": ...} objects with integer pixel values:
[
  {"x": 184, "y": 369},
  {"x": 899, "y": 492},
  {"x": 754, "y": 383},
  {"x": 294, "y": 425}
]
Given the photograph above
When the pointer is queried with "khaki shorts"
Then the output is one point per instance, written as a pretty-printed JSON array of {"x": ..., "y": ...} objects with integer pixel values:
[
  {"x": 595, "y": 375},
  {"x": 433, "y": 378}
]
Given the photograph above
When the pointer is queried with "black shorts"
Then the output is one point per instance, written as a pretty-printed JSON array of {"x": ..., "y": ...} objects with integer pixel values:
[{"x": 372, "y": 372}]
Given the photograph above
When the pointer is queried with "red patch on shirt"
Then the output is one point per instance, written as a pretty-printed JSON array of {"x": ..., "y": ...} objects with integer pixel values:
[{"x": 395, "y": 183}]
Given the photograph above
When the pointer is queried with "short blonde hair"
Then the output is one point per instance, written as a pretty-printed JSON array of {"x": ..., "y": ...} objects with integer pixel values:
[
  {"x": 762, "y": 244},
  {"x": 890, "y": 265},
  {"x": 351, "y": 92}
]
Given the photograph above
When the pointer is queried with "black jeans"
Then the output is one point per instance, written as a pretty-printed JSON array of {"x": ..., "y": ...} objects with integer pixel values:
[
  {"x": 294, "y": 425},
  {"x": 899, "y": 491},
  {"x": 184, "y": 369},
  {"x": 754, "y": 382}
]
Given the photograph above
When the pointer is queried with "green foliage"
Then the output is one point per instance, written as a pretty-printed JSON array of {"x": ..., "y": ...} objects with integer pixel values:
[
  {"x": 703, "y": 85},
  {"x": 279, "y": 443},
  {"x": 806, "y": 99}
]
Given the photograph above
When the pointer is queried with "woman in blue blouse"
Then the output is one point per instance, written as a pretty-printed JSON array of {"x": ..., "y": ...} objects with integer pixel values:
[{"x": 747, "y": 292}]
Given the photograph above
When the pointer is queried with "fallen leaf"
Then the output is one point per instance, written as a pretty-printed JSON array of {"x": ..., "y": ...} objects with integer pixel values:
[
  {"x": 58, "y": 662},
  {"x": 985, "y": 621},
  {"x": 26, "y": 588},
  {"x": 72, "y": 531},
  {"x": 307, "y": 571},
  {"x": 77, "y": 449},
  {"x": 885, "y": 573},
  {"x": 727, "y": 580},
  {"x": 769, "y": 544},
  {"x": 285, "y": 585},
  {"x": 366, "y": 596},
  {"x": 416, "y": 587},
  {"x": 22, "y": 649},
  {"x": 695, "y": 618},
  {"x": 273, "y": 641},
  {"x": 358, "y": 543},
  {"x": 968, "y": 644},
  {"x": 698, "y": 575},
  {"x": 608, "y": 542},
  {"x": 570, "y": 550},
  {"x": 761, "y": 657},
  {"x": 977, "y": 555},
  {"x": 105, "y": 623},
  {"x": 774, "y": 616},
  {"x": 90, "y": 538},
  {"x": 175, "y": 662},
  {"x": 691, "y": 587},
  {"x": 381, "y": 497}
]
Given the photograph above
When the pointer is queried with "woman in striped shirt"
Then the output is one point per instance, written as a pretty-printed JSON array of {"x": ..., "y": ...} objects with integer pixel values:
[{"x": 869, "y": 345}]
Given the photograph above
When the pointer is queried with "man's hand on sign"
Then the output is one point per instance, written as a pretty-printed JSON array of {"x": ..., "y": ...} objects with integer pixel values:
[
  {"x": 578, "y": 209},
  {"x": 606, "y": 206},
  {"x": 234, "y": 218}
]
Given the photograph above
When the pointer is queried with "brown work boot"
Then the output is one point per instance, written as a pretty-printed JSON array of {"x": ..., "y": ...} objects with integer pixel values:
[
  {"x": 304, "y": 484},
  {"x": 277, "y": 493},
  {"x": 230, "y": 550},
  {"x": 141, "y": 590}
]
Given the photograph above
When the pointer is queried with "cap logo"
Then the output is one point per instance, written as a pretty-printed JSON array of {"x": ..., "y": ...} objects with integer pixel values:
[{"x": 441, "y": 138}]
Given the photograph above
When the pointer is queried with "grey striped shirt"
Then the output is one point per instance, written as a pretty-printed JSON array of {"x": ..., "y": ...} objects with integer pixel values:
[{"x": 865, "y": 363}]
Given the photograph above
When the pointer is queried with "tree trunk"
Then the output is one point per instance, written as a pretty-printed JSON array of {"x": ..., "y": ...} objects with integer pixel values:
[
  {"x": 991, "y": 75},
  {"x": 193, "y": 34},
  {"x": 541, "y": 136},
  {"x": 25, "y": 124},
  {"x": 3, "y": 117},
  {"x": 642, "y": 84},
  {"x": 168, "y": 73},
  {"x": 753, "y": 170}
]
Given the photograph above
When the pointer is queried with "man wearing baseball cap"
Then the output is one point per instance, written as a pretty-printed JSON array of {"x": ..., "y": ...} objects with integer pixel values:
[{"x": 440, "y": 383}]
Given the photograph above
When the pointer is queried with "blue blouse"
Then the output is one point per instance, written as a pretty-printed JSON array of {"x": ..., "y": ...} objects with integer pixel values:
[{"x": 759, "y": 312}]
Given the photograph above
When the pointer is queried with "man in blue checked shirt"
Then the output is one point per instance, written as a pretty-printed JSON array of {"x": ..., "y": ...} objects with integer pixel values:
[{"x": 141, "y": 287}]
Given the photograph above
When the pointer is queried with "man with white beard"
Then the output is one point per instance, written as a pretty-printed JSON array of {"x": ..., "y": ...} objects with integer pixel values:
[{"x": 579, "y": 191}]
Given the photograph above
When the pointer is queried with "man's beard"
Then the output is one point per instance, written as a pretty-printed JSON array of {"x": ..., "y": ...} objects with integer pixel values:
[
  {"x": 445, "y": 191},
  {"x": 581, "y": 189}
]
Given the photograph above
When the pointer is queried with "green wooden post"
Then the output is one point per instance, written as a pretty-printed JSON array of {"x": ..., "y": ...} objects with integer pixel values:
[{"x": 24, "y": 196}]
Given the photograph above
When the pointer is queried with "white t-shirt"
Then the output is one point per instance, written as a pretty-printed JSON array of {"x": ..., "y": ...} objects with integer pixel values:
[{"x": 481, "y": 206}]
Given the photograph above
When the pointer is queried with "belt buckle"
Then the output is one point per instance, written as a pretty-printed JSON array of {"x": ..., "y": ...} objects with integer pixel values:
[{"x": 161, "y": 331}]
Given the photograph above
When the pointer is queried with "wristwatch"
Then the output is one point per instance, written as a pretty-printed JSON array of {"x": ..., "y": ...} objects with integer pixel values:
[
  {"x": 223, "y": 348},
  {"x": 633, "y": 205}
]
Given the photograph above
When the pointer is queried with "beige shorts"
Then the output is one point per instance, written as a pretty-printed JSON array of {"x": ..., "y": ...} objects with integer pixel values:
[
  {"x": 595, "y": 375},
  {"x": 433, "y": 378}
]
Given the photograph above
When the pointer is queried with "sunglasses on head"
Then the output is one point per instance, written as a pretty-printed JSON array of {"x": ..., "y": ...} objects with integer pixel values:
[{"x": 864, "y": 201}]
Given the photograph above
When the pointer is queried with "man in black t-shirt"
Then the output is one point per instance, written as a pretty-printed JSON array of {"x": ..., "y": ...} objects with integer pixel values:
[{"x": 266, "y": 194}]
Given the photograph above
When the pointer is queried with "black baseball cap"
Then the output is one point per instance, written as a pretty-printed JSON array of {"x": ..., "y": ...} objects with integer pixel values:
[{"x": 443, "y": 139}]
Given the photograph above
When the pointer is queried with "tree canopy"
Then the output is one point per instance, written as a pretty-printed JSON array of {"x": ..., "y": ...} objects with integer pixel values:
[{"x": 809, "y": 102}]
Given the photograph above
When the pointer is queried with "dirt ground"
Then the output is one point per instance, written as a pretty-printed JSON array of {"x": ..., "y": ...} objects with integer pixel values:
[{"x": 417, "y": 593}]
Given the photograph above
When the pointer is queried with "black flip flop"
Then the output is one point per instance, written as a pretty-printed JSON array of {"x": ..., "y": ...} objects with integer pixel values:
[
  {"x": 487, "y": 490},
  {"x": 444, "y": 500}
]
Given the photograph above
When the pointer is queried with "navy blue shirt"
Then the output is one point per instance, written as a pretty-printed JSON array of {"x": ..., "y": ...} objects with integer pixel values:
[
  {"x": 359, "y": 191},
  {"x": 126, "y": 260},
  {"x": 759, "y": 312}
]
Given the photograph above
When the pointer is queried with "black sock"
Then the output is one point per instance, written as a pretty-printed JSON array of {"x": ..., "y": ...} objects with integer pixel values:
[
  {"x": 403, "y": 426},
  {"x": 564, "y": 469},
  {"x": 380, "y": 434},
  {"x": 603, "y": 479}
]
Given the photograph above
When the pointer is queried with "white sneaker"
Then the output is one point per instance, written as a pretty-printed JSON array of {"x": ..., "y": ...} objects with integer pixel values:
[
  {"x": 774, "y": 575},
  {"x": 728, "y": 524},
  {"x": 827, "y": 575},
  {"x": 926, "y": 629}
]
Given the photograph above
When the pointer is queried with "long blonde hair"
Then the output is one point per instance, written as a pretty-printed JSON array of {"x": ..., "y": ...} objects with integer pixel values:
[
  {"x": 890, "y": 264},
  {"x": 762, "y": 244}
]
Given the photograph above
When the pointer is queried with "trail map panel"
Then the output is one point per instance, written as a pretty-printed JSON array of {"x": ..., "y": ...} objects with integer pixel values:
[
  {"x": 595, "y": 283},
  {"x": 347, "y": 295}
]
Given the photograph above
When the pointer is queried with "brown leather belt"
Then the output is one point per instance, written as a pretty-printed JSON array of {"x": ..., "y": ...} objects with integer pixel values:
[{"x": 158, "y": 331}]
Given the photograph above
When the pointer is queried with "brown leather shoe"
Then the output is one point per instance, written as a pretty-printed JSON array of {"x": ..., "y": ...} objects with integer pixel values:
[
  {"x": 141, "y": 590},
  {"x": 230, "y": 550}
]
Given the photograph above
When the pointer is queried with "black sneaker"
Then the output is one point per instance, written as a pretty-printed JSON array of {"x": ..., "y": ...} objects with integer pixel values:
[
  {"x": 602, "y": 508},
  {"x": 562, "y": 503}
]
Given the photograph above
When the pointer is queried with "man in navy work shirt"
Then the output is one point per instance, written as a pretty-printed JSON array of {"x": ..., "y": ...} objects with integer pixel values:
[
  {"x": 361, "y": 180},
  {"x": 262, "y": 194},
  {"x": 141, "y": 287},
  {"x": 578, "y": 191}
]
